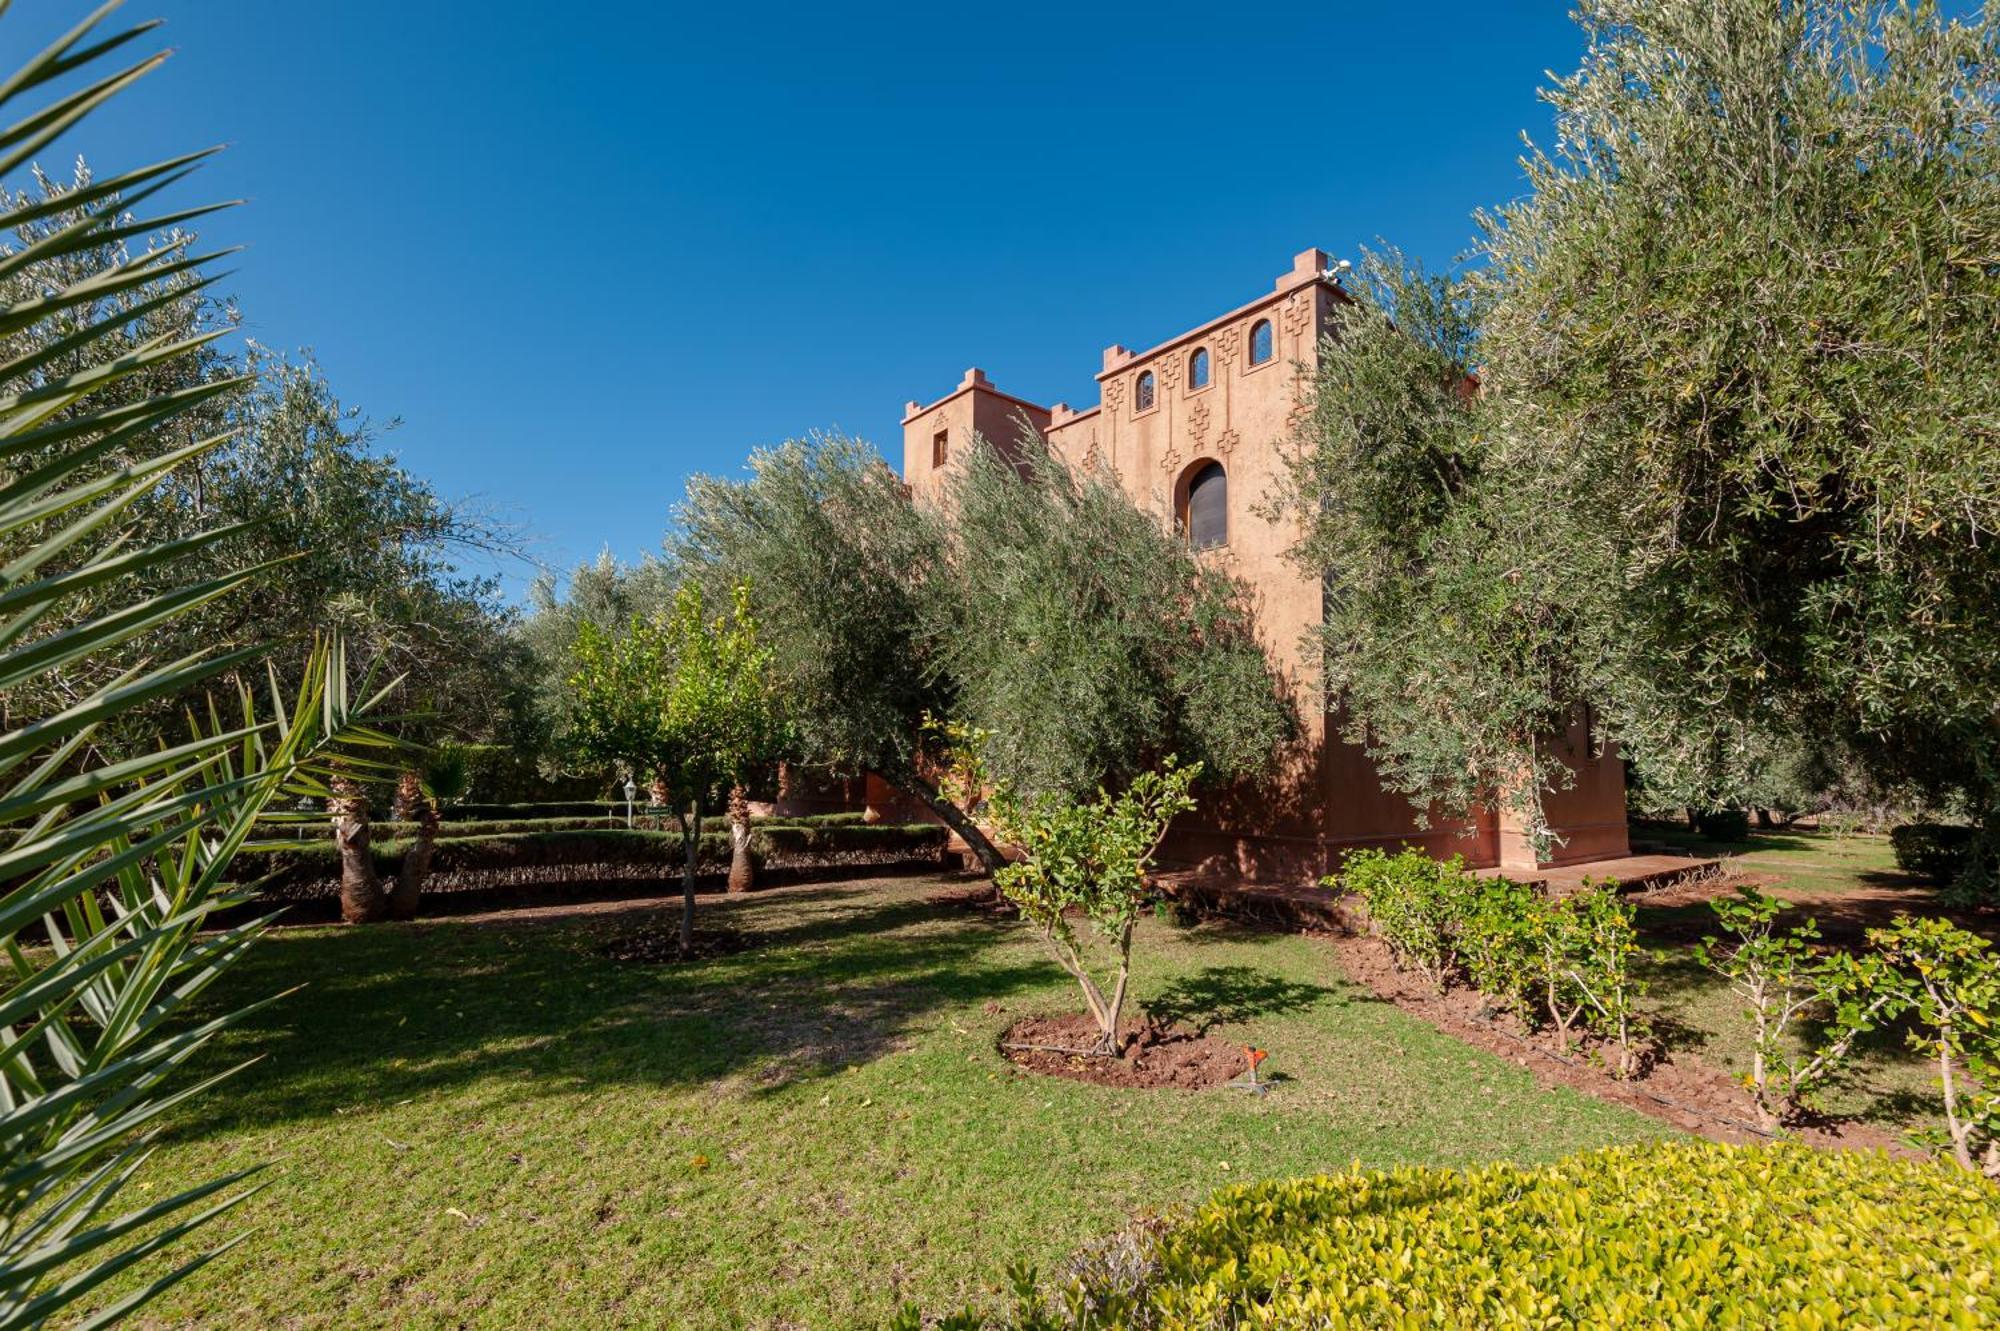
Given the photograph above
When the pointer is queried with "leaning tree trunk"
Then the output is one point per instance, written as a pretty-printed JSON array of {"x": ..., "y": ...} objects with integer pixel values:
[
  {"x": 691, "y": 846},
  {"x": 911, "y": 782},
  {"x": 416, "y": 866},
  {"x": 362, "y": 900},
  {"x": 742, "y": 873}
]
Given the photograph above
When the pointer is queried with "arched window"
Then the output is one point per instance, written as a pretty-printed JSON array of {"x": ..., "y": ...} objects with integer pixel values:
[
  {"x": 1208, "y": 508},
  {"x": 1198, "y": 368},
  {"x": 1142, "y": 397},
  {"x": 1260, "y": 342}
]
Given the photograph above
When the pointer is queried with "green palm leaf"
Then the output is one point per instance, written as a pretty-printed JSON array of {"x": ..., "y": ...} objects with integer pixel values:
[{"x": 112, "y": 864}]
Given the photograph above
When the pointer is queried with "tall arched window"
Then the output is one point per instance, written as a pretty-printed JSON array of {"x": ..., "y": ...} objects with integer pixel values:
[
  {"x": 1208, "y": 508},
  {"x": 1198, "y": 368},
  {"x": 1260, "y": 342},
  {"x": 1142, "y": 396}
]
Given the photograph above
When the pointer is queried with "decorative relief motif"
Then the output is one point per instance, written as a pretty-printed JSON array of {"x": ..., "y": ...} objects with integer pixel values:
[
  {"x": 1170, "y": 372},
  {"x": 1298, "y": 314},
  {"x": 1170, "y": 461},
  {"x": 1197, "y": 427},
  {"x": 1223, "y": 347},
  {"x": 1114, "y": 394},
  {"x": 1226, "y": 442},
  {"x": 1093, "y": 457}
]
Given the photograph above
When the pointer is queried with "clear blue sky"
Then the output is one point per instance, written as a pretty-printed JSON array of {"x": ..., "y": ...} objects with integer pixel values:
[{"x": 585, "y": 249}]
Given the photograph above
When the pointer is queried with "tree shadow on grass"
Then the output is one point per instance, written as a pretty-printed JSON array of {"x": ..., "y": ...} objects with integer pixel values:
[
  {"x": 395, "y": 1012},
  {"x": 1231, "y": 995}
]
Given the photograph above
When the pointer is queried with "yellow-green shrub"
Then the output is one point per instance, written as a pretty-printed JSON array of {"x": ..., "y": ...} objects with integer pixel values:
[{"x": 1669, "y": 1235}]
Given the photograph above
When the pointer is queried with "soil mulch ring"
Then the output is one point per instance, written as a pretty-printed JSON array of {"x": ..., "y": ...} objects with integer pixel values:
[
  {"x": 660, "y": 944},
  {"x": 1151, "y": 1055},
  {"x": 1674, "y": 1086}
]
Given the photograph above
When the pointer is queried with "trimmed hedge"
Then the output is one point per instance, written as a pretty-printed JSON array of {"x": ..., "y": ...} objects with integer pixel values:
[
  {"x": 317, "y": 863},
  {"x": 1723, "y": 824},
  {"x": 1686, "y": 1234},
  {"x": 1935, "y": 851}
]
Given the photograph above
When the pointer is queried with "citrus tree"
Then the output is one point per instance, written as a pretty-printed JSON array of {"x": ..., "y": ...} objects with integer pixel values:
[
  {"x": 685, "y": 699},
  {"x": 1091, "y": 856}
]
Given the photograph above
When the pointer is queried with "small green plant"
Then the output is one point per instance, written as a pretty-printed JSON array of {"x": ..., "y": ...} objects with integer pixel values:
[
  {"x": 1091, "y": 856},
  {"x": 1784, "y": 981},
  {"x": 1496, "y": 945},
  {"x": 1948, "y": 980},
  {"x": 1413, "y": 903},
  {"x": 1600, "y": 942}
]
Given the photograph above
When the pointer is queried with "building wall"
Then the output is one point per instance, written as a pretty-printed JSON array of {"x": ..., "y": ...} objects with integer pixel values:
[{"x": 1326, "y": 796}]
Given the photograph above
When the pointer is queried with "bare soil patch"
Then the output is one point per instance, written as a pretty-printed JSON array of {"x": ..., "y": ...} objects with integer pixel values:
[
  {"x": 1673, "y": 1085},
  {"x": 660, "y": 944},
  {"x": 1151, "y": 1055}
]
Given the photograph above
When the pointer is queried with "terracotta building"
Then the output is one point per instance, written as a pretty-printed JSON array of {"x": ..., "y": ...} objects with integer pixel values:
[{"x": 1193, "y": 429}]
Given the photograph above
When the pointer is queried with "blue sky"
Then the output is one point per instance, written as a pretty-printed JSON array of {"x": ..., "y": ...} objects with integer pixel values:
[{"x": 583, "y": 250}]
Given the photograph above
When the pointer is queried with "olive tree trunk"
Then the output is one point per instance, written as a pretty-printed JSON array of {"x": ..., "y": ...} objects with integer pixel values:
[
  {"x": 911, "y": 782},
  {"x": 742, "y": 873}
]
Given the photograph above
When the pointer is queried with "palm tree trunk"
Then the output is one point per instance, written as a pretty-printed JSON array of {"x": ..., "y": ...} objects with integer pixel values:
[
  {"x": 742, "y": 873},
  {"x": 691, "y": 845},
  {"x": 362, "y": 900},
  {"x": 409, "y": 796},
  {"x": 416, "y": 866}
]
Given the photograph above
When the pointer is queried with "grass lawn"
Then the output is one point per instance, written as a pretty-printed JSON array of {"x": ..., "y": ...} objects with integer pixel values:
[
  {"x": 485, "y": 1124},
  {"x": 1808, "y": 860}
]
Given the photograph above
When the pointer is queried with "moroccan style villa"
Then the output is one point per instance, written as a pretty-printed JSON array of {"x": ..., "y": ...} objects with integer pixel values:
[{"x": 1192, "y": 428}]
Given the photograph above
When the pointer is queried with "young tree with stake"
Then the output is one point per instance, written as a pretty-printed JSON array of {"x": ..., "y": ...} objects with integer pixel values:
[{"x": 685, "y": 699}]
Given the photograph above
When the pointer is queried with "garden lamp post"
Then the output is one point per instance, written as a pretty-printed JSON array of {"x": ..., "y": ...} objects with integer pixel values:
[{"x": 631, "y": 793}]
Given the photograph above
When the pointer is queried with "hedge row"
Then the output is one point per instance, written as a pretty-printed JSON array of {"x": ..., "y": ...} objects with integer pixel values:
[
  {"x": 1679, "y": 1234},
  {"x": 1933, "y": 851},
  {"x": 292, "y": 871},
  {"x": 385, "y": 829}
]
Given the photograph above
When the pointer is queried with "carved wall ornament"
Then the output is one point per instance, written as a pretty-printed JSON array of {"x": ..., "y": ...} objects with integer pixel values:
[
  {"x": 1197, "y": 426},
  {"x": 1170, "y": 461},
  {"x": 1223, "y": 346},
  {"x": 1114, "y": 394},
  {"x": 1093, "y": 457},
  {"x": 1170, "y": 372},
  {"x": 1226, "y": 442},
  {"x": 1298, "y": 314}
]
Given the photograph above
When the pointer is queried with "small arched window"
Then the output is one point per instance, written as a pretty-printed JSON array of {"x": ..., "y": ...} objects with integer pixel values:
[
  {"x": 1208, "y": 508},
  {"x": 1260, "y": 342},
  {"x": 1142, "y": 396},
  {"x": 1198, "y": 368}
]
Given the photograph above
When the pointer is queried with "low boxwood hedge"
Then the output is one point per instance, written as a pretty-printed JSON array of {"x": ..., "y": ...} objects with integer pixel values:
[
  {"x": 1934, "y": 851},
  {"x": 282, "y": 869},
  {"x": 1680, "y": 1234}
]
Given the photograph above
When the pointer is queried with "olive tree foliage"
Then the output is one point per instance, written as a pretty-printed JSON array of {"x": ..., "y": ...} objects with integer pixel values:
[
  {"x": 368, "y": 548},
  {"x": 841, "y": 565},
  {"x": 1085, "y": 637},
  {"x": 1757, "y": 287},
  {"x": 1453, "y": 640},
  {"x": 1734, "y": 350}
]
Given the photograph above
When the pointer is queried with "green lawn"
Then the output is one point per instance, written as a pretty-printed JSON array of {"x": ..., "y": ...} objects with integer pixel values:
[
  {"x": 479, "y": 1124},
  {"x": 1807, "y": 859}
]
